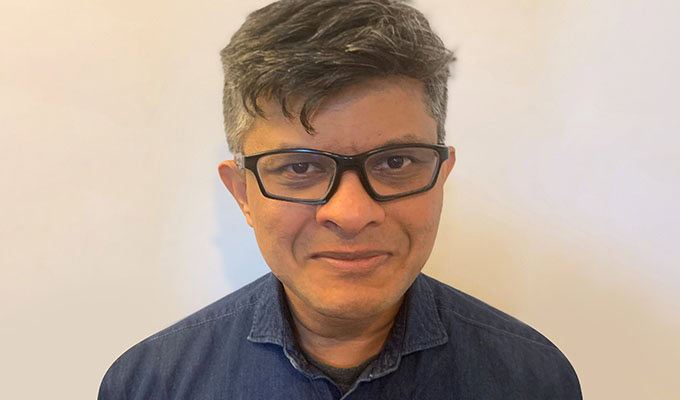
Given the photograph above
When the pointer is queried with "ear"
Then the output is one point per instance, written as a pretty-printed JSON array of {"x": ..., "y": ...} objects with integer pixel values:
[
  {"x": 447, "y": 166},
  {"x": 234, "y": 179}
]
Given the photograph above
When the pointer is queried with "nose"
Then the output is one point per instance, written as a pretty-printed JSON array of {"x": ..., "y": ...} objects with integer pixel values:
[{"x": 350, "y": 209}]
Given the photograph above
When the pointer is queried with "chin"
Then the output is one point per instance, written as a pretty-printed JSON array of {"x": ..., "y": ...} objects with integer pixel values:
[
  {"x": 356, "y": 307},
  {"x": 350, "y": 312}
]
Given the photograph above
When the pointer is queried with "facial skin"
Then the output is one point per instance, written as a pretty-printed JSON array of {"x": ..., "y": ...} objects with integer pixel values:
[{"x": 352, "y": 258}]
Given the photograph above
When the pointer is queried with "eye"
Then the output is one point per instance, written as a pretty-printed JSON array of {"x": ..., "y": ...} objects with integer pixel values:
[
  {"x": 394, "y": 162},
  {"x": 301, "y": 168}
]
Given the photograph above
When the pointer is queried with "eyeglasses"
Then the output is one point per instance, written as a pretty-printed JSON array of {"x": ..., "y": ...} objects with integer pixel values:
[{"x": 311, "y": 176}]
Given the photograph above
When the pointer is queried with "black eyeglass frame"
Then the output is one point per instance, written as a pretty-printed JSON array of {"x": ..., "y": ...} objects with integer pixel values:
[{"x": 356, "y": 162}]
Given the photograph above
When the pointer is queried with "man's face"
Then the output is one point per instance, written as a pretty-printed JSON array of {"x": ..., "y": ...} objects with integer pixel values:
[{"x": 352, "y": 257}]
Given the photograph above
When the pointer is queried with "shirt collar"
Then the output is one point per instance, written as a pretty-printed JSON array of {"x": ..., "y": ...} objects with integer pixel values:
[
  {"x": 271, "y": 315},
  {"x": 417, "y": 325}
]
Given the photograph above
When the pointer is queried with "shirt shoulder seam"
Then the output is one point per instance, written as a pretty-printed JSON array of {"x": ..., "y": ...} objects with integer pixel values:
[
  {"x": 199, "y": 323},
  {"x": 496, "y": 329}
]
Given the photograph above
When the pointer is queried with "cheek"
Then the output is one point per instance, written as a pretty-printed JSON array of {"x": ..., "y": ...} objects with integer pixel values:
[
  {"x": 277, "y": 226},
  {"x": 420, "y": 220}
]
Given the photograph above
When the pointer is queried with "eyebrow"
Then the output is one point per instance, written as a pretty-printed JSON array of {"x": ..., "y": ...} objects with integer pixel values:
[{"x": 407, "y": 138}]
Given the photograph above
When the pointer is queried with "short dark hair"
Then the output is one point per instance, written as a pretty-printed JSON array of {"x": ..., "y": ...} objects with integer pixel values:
[{"x": 313, "y": 48}]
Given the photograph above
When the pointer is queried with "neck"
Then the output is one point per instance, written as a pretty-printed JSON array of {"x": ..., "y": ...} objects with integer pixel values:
[{"x": 338, "y": 341}]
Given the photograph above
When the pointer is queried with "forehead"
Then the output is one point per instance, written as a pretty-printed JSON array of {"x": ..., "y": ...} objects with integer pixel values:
[{"x": 362, "y": 117}]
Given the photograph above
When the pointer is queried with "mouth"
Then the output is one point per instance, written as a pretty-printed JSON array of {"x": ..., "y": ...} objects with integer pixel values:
[{"x": 353, "y": 261}]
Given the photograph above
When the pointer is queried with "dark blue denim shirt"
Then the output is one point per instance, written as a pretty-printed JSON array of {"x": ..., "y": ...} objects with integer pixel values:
[{"x": 444, "y": 345}]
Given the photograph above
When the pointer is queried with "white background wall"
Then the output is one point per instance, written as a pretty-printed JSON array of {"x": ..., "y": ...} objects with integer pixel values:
[{"x": 562, "y": 209}]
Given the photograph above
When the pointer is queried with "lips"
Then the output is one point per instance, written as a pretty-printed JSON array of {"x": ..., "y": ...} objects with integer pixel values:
[{"x": 353, "y": 261}]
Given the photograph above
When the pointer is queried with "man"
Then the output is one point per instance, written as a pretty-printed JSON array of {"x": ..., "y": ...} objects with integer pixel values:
[{"x": 335, "y": 112}]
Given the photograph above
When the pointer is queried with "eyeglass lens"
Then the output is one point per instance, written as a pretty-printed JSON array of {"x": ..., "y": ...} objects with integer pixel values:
[{"x": 309, "y": 176}]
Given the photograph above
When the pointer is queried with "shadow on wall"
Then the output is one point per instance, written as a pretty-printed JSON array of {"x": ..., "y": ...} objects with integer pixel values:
[{"x": 583, "y": 292}]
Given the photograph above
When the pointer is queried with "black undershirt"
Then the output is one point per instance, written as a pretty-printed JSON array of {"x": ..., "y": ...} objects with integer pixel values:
[{"x": 343, "y": 377}]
